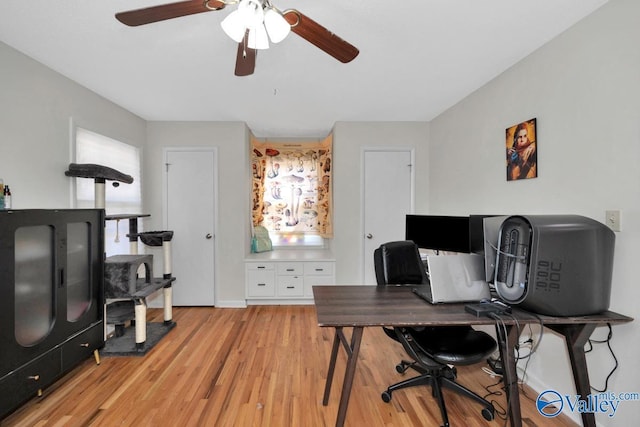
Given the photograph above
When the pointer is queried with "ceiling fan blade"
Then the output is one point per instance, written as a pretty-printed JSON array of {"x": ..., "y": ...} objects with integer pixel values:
[
  {"x": 246, "y": 58},
  {"x": 318, "y": 35},
  {"x": 148, "y": 15}
]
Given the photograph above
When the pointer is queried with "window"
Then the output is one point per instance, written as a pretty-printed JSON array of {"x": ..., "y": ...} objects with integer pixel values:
[
  {"x": 94, "y": 148},
  {"x": 291, "y": 191}
]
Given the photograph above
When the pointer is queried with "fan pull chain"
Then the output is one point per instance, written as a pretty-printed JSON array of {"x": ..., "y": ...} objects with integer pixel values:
[{"x": 245, "y": 40}]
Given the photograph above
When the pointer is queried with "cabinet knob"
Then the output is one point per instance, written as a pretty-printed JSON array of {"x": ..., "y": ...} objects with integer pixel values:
[
  {"x": 369, "y": 236},
  {"x": 34, "y": 377},
  {"x": 208, "y": 236},
  {"x": 84, "y": 344}
]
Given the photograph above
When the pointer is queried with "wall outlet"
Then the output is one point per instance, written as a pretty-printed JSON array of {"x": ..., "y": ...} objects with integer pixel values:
[{"x": 612, "y": 219}]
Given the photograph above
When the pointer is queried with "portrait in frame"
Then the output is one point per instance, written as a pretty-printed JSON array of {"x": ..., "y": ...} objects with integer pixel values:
[{"x": 522, "y": 151}]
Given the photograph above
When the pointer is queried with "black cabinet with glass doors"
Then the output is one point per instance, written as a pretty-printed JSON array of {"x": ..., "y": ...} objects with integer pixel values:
[{"x": 51, "y": 297}]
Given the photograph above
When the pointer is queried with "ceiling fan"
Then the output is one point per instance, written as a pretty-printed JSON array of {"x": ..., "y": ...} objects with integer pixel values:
[{"x": 251, "y": 25}]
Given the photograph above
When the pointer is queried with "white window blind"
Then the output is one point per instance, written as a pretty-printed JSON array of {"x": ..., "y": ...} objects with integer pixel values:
[{"x": 124, "y": 199}]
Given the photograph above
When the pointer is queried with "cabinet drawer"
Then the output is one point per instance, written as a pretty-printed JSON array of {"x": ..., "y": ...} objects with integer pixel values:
[
  {"x": 81, "y": 347},
  {"x": 25, "y": 382},
  {"x": 260, "y": 266},
  {"x": 261, "y": 283},
  {"x": 290, "y": 286},
  {"x": 311, "y": 281},
  {"x": 318, "y": 268},
  {"x": 290, "y": 268}
]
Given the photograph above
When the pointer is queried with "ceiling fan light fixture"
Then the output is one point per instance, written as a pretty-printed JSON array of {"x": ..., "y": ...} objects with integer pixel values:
[
  {"x": 258, "y": 38},
  {"x": 252, "y": 12},
  {"x": 277, "y": 27},
  {"x": 234, "y": 26}
]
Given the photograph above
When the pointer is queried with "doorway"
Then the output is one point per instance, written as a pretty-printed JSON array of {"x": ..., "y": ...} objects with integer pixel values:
[
  {"x": 190, "y": 212},
  {"x": 387, "y": 198}
]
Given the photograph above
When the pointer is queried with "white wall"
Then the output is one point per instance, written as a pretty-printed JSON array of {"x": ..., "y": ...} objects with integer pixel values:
[
  {"x": 35, "y": 110},
  {"x": 38, "y": 104},
  {"x": 350, "y": 138},
  {"x": 584, "y": 89},
  {"x": 232, "y": 235}
]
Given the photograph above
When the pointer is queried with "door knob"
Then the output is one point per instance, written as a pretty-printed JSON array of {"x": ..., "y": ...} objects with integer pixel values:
[
  {"x": 208, "y": 236},
  {"x": 369, "y": 236}
]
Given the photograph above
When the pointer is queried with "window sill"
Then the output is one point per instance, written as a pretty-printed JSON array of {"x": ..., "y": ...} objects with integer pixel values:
[{"x": 293, "y": 255}]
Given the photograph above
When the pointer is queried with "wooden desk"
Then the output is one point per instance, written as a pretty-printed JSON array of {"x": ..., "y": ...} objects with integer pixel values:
[{"x": 359, "y": 306}]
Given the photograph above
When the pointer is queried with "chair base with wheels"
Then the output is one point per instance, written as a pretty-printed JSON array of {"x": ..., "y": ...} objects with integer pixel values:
[
  {"x": 435, "y": 374},
  {"x": 437, "y": 381}
]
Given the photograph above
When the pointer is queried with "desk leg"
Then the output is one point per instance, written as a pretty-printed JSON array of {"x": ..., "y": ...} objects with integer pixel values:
[
  {"x": 507, "y": 346},
  {"x": 576, "y": 336},
  {"x": 352, "y": 358},
  {"x": 332, "y": 365},
  {"x": 356, "y": 339}
]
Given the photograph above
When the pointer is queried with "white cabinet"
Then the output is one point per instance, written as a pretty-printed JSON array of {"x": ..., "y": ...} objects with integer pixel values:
[
  {"x": 289, "y": 279},
  {"x": 261, "y": 279},
  {"x": 285, "y": 276},
  {"x": 317, "y": 273}
]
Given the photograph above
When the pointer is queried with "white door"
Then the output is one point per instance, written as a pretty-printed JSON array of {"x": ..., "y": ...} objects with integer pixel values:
[
  {"x": 388, "y": 197},
  {"x": 190, "y": 214}
]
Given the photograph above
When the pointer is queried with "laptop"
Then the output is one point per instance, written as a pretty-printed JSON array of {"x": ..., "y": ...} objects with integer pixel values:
[{"x": 454, "y": 278}]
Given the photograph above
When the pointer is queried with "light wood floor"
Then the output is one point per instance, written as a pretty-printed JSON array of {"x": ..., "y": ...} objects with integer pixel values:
[{"x": 260, "y": 366}]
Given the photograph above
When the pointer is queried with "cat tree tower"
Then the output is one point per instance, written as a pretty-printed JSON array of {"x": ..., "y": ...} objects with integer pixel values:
[{"x": 126, "y": 289}]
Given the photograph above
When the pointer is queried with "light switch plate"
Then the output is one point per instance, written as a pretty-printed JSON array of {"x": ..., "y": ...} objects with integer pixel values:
[{"x": 612, "y": 219}]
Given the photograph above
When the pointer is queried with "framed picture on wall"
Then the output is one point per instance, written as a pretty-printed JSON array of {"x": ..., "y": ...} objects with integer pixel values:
[{"x": 522, "y": 151}]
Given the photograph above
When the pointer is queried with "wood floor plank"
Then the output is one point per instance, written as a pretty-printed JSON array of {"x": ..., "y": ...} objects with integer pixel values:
[{"x": 259, "y": 366}]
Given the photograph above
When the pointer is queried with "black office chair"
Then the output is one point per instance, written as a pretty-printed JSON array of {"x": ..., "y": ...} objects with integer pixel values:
[{"x": 433, "y": 349}]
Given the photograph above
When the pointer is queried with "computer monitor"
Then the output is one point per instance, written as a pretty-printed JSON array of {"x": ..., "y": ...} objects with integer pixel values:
[
  {"x": 477, "y": 233},
  {"x": 440, "y": 233}
]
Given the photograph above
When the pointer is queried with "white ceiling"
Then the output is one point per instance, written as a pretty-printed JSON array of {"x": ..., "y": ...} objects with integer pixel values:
[{"x": 417, "y": 58}]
